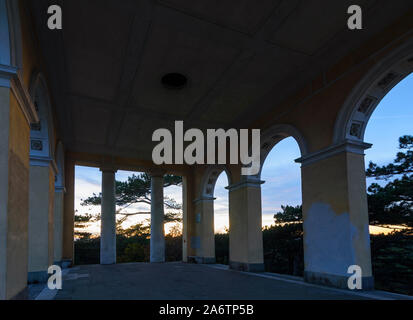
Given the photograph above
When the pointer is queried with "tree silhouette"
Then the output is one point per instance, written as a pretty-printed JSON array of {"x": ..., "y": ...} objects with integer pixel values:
[
  {"x": 393, "y": 203},
  {"x": 137, "y": 189},
  {"x": 289, "y": 214}
]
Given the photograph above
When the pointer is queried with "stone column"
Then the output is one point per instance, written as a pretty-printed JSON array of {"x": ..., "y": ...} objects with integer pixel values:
[
  {"x": 41, "y": 211},
  {"x": 58, "y": 224},
  {"x": 336, "y": 225},
  {"x": 205, "y": 231},
  {"x": 69, "y": 214},
  {"x": 245, "y": 226},
  {"x": 108, "y": 218},
  {"x": 157, "y": 245},
  {"x": 188, "y": 221}
]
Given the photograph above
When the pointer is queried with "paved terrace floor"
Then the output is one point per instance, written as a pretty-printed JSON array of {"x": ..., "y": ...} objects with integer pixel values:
[{"x": 179, "y": 281}]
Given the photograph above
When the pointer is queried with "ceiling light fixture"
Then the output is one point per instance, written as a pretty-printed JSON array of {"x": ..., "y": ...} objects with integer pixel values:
[{"x": 174, "y": 81}]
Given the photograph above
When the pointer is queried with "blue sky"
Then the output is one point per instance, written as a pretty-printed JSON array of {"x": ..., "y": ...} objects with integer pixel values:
[{"x": 391, "y": 119}]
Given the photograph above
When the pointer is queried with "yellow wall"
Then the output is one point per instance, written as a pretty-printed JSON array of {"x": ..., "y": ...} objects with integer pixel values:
[
  {"x": 245, "y": 238},
  {"x": 51, "y": 215},
  {"x": 205, "y": 228},
  {"x": 18, "y": 202},
  {"x": 336, "y": 233},
  {"x": 39, "y": 218}
]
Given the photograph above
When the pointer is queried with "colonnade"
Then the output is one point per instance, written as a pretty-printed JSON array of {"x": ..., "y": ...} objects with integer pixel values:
[
  {"x": 336, "y": 226},
  {"x": 108, "y": 218},
  {"x": 336, "y": 229},
  {"x": 329, "y": 110}
]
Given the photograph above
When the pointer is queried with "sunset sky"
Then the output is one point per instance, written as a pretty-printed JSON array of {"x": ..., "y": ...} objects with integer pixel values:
[{"x": 392, "y": 119}]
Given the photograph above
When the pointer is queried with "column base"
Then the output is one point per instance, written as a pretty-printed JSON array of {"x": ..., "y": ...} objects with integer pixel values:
[
  {"x": 201, "y": 260},
  {"x": 337, "y": 281},
  {"x": 23, "y": 295},
  {"x": 247, "y": 267},
  {"x": 37, "y": 277},
  {"x": 65, "y": 264}
]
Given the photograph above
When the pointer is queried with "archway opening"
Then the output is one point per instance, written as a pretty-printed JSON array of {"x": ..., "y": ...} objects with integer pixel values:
[
  {"x": 389, "y": 165},
  {"x": 221, "y": 219},
  {"x": 133, "y": 216},
  {"x": 282, "y": 209},
  {"x": 87, "y": 217}
]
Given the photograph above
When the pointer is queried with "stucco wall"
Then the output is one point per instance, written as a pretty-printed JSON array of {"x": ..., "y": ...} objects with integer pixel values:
[
  {"x": 40, "y": 216},
  {"x": 18, "y": 200},
  {"x": 336, "y": 233},
  {"x": 4, "y": 184},
  {"x": 245, "y": 242}
]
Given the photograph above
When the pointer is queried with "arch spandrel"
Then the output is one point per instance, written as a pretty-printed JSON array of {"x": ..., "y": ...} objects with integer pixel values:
[
  {"x": 353, "y": 118},
  {"x": 271, "y": 137},
  {"x": 42, "y": 132},
  {"x": 209, "y": 180}
]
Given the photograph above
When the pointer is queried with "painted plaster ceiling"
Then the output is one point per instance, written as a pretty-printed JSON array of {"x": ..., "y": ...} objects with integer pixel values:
[{"x": 241, "y": 58}]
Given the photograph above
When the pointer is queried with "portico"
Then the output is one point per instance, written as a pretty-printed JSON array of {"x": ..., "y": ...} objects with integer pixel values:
[{"x": 94, "y": 93}]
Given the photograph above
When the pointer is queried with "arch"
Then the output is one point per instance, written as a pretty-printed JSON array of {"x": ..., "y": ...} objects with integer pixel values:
[
  {"x": 210, "y": 178},
  {"x": 354, "y": 115},
  {"x": 273, "y": 135},
  {"x": 10, "y": 34},
  {"x": 42, "y": 132}
]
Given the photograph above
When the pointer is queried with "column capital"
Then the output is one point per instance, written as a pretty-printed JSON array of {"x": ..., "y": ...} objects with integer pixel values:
[
  {"x": 248, "y": 182},
  {"x": 39, "y": 161},
  {"x": 107, "y": 164},
  {"x": 204, "y": 199},
  {"x": 60, "y": 189},
  {"x": 351, "y": 146},
  {"x": 10, "y": 77},
  {"x": 108, "y": 168},
  {"x": 156, "y": 173}
]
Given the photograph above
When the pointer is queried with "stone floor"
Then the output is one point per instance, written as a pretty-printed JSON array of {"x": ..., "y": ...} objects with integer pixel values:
[{"x": 178, "y": 281}]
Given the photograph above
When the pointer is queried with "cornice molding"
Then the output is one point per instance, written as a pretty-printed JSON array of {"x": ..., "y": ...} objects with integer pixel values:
[
  {"x": 204, "y": 199},
  {"x": 60, "y": 189},
  {"x": 44, "y": 162},
  {"x": 10, "y": 78},
  {"x": 247, "y": 183},
  {"x": 351, "y": 146}
]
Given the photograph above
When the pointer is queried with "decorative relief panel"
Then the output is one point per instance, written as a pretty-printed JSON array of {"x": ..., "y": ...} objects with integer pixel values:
[
  {"x": 36, "y": 126},
  {"x": 387, "y": 80},
  {"x": 355, "y": 129},
  {"x": 366, "y": 104},
  {"x": 36, "y": 145},
  {"x": 265, "y": 146}
]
